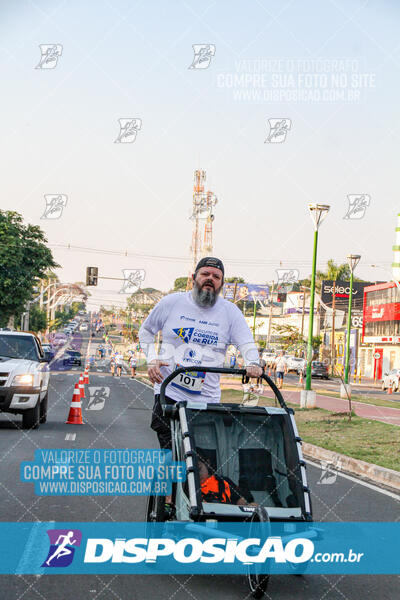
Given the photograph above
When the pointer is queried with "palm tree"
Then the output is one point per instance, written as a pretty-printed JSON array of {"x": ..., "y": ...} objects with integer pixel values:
[{"x": 333, "y": 272}]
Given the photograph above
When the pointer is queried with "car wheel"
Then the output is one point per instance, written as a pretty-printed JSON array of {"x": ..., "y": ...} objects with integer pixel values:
[
  {"x": 43, "y": 409},
  {"x": 395, "y": 387},
  {"x": 31, "y": 417}
]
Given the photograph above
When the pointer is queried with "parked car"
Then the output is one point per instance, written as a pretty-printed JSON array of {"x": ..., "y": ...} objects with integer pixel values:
[
  {"x": 49, "y": 351},
  {"x": 72, "y": 357},
  {"x": 318, "y": 369},
  {"x": 24, "y": 379},
  {"x": 59, "y": 339},
  {"x": 295, "y": 364},
  {"x": 393, "y": 378}
]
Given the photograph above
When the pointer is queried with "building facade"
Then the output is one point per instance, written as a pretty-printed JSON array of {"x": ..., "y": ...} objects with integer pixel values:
[{"x": 381, "y": 329}]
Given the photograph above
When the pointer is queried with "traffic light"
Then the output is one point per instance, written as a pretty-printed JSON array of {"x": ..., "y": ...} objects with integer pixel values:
[
  {"x": 281, "y": 296},
  {"x": 92, "y": 275}
]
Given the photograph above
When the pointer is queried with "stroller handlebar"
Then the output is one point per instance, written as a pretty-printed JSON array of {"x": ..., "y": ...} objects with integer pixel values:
[{"x": 219, "y": 370}]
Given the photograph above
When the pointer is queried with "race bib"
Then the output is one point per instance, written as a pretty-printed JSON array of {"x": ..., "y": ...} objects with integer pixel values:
[{"x": 189, "y": 381}]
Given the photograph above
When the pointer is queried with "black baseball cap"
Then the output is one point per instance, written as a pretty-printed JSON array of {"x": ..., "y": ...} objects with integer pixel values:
[{"x": 210, "y": 261}]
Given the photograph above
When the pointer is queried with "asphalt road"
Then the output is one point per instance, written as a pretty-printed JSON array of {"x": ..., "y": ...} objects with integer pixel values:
[{"x": 123, "y": 422}]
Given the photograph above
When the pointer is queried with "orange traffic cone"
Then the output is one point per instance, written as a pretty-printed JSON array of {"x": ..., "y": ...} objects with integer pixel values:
[
  {"x": 75, "y": 411},
  {"x": 86, "y": 377},
  {"x": 269, "y": 372},
  {"x": 81, "y": 387},
  {"x": 390, "y": 390},
  {"x": 301, "y": 377}
]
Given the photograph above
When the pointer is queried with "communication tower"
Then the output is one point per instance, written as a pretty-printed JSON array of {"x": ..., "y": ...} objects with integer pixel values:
[{"x": 202, "y": 217}]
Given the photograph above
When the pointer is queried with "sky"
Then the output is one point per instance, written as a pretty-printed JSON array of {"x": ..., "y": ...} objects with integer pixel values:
[{"x": 329, "y": 70}]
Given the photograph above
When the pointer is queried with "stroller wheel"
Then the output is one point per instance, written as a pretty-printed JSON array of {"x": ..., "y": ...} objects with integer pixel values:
[
  {"x": 258, "y": 582},
  {"x": 154, "y": 514}
]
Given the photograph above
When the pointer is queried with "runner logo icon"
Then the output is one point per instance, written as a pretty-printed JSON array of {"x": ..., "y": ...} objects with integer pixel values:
[
  {"x": 185, "y": 333},
  {"x": 62, "y": 547}
]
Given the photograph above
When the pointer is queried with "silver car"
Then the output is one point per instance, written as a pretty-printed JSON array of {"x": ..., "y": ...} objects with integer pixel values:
[
  {"x": 296, "y": 364},
  {"x": 393, "y": 378}
]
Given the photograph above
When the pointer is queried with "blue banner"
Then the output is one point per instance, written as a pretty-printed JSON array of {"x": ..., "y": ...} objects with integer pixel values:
[
  {"x": 199, "y": 548},
  {"x": 246, "y": 291}
]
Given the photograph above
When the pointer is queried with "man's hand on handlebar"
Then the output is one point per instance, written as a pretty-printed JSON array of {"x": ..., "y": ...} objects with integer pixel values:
[
  {"x": 154, "y": 372},
  {"x": 254, "y": 371}
]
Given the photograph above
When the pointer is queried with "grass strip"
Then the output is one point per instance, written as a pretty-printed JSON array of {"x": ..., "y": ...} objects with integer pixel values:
[{"x": 372, "y": 441}]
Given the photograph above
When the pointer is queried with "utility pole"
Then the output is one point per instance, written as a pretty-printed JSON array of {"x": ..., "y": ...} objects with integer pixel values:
[
  {"x": 302, "y": 311},
  {"x": 48, "y": 308},
  {"x": 41, "y": 294},
  {"x": 333, "y": 329},
  {"x": 270, "y": 314},
  {"x": 318, "y": 319},
  {"x": 254, "y": 316}
]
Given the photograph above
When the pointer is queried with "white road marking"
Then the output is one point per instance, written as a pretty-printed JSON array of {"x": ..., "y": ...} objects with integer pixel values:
[
  {"x": 37, "y": 545},
  {"x": 145, "y": 384},
  {"x": 371, "y": 486},
  {"x": 70, "y": 437}
]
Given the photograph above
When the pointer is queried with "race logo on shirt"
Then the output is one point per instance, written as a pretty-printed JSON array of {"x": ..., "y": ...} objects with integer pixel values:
[
  {"x": 185, "y": 333},
  {"x": 198, "y": 336},
  {"x": 208, "y": 337}
]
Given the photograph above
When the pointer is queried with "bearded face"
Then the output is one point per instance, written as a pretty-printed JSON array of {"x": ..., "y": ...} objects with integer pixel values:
[{"x": 207, "y": 284}]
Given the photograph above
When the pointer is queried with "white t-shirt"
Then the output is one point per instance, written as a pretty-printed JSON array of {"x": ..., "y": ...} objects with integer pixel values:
[
  {"x": 280, "y": 364},
  {"x": 119, "y": 359},
  {"x": 192, "y": 335}
]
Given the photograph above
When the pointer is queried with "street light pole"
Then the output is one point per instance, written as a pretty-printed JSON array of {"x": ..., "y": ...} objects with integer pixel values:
[
  {"x": 353, "y": 260},
  {"x": 311, "y": 315},
  {"x": 317, "y": 212},
  {"x": 254, "y": 316}
]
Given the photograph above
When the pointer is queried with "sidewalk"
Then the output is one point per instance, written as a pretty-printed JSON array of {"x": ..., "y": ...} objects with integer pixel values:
[{"x": 361, "y": 409}]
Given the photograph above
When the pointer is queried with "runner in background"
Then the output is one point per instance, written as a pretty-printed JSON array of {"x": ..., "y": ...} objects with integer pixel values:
[{"x": 132, "y": 364}]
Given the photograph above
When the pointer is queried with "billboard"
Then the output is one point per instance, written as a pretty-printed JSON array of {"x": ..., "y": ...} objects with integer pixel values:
[
  {"x": 245, "y": 291},
  {"x": 341, "y": 291}
]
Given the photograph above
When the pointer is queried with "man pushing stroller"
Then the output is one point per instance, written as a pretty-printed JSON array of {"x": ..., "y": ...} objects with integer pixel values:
[{"x": 197, "y": 327}]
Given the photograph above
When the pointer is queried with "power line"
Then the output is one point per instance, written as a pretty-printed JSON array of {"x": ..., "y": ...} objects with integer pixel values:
[{"x": 249, "y": 262}]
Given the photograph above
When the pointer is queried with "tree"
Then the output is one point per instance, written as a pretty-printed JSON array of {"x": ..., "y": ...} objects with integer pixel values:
[
  {"x": 37, "y": 319},
  {"x": 234, "y": 280},
  {"x": 333, "y": 271},
  {"x": 24, "y": 258},
  {"x": 180, "y": 284},
  {"x": 291, "y": 340}
]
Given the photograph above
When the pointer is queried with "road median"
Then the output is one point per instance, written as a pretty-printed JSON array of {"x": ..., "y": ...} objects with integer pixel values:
[{"x": 346, "y": 464}]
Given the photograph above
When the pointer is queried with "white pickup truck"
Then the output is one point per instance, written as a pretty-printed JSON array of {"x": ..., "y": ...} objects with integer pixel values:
[{"x": 24, "y": 377}]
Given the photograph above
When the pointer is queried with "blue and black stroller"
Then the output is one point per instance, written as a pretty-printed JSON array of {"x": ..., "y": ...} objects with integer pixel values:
[{"x": 256, "y": 450}]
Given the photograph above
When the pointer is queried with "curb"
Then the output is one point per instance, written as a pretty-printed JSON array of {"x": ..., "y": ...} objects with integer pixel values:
[{"x": 347, "y": 464}]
